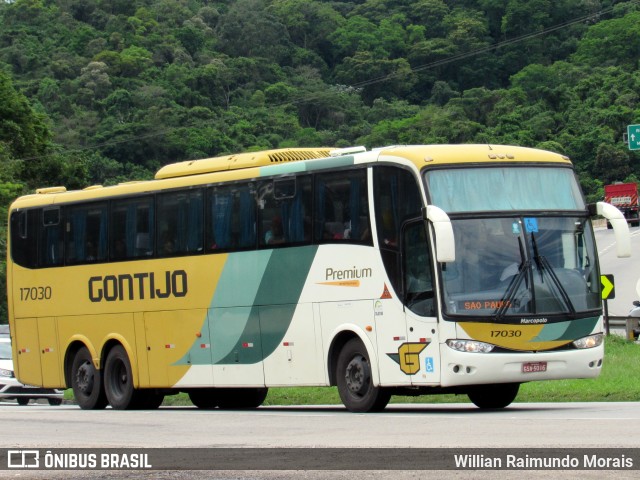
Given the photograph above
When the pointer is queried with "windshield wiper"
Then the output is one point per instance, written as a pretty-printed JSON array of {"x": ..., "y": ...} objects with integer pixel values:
[
  {"x": 543, "y": 265},
  {"x": 514, "y": 284}
]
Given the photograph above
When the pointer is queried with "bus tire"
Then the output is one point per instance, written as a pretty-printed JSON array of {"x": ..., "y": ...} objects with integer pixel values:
[
  {"x": 205, "y": 398},
  {"x": 86, "y": 382},
  {"x": 118, "y": 380},
  {"x": 148, "y": 399},
  {"x": 355, "y": 382},
  {"x": 493, "y": 396},
  {"x": 241, "y": 398}
]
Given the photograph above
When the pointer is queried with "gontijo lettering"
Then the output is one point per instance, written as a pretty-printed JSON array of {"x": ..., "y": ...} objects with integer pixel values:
[{"x": 138, "y": 286}]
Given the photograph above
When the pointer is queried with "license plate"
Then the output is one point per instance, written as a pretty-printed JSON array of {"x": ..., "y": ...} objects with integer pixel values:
[{"x": 533, "y": 367}]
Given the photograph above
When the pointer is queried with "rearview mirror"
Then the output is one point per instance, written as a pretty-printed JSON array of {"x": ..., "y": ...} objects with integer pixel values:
[
  {"x": 443, "y": 230},
  {"x": 620, "y": 227}
]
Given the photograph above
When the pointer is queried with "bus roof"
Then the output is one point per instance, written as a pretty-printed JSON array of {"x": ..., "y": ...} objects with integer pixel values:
[
  {"x": 437, "y": 155},
  {"x": 240, "y": 161},
  {"x": 290, "y": 160}
]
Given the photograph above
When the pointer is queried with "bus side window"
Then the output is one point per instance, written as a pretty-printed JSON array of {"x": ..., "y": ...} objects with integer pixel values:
[
  {"x": 231, "y": 217},
  {"x": 24, "y": 237},
  {"x": 285, "y": 211},
  {"x": 342, "y": 208},
  {"x": 418, "y": 277},
  {"x": 86, "y": 233},
  {"x": 132, "y": 227},
  {"x": 180, "y": 223},
  {"x": 397, "y": 199},
  {"x": 51, "y": 243}
]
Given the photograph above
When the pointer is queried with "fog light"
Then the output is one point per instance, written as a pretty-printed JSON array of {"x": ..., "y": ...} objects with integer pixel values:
[
  {"x": 470, "y": 346},
  {"x": 591, "y": 341}
]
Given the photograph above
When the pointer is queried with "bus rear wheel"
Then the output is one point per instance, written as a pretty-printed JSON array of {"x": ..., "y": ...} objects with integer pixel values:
[
  {"x": 86, "y": 381},
  {"x": 355, "y": 383},
  {"x": 118, "y": 380},
  {"x": 493, "y": 396}
]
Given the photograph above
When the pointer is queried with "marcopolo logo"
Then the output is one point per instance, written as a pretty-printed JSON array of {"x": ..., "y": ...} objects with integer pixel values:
[{"x": 138, "y": 286}]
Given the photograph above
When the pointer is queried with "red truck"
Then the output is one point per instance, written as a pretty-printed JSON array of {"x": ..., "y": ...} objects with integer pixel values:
[{"x": 624, "y": 196}]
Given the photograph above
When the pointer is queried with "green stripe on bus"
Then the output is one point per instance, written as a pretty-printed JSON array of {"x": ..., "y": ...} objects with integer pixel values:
[
  {"x": 569, "y": 330},
  {"x": 253, "y": 306}
]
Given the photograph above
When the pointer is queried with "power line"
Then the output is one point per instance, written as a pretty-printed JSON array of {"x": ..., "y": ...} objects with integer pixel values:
[{"x": 489, "y": 48}]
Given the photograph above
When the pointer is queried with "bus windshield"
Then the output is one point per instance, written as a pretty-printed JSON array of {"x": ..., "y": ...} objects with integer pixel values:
[
  {"x": 522, "y": 266},
  {"x": 520, "y": 253},
  {"x": 504, "y": 189}
]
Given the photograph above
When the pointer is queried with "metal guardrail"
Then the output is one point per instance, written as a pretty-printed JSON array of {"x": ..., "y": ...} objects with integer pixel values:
[{"x": 631, "y": 325}]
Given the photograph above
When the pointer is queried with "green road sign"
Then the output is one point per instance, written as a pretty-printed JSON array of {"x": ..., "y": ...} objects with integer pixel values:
[
  {"x": 608, "y": 287},
  {"x": 633, "y": 137}
]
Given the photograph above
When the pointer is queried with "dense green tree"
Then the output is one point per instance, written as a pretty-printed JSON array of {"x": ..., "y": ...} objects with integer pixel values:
[
  {"x": 24, "y": 134},
  {"x": 309, "y": 24},
  {"x": 614, "y": 42},
  {"x": 248, "y": 29}
]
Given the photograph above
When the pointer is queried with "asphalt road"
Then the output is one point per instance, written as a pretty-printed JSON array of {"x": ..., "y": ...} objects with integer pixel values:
[
  {"x": 558, "y": 426},
  {"x": 400, "y": 425}
]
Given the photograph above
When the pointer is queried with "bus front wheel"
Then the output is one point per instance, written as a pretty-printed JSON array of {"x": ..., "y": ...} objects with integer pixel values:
[
  {"x": 493, "y": 396},
  {"x": 86, "y": 382},
  {"x": 241, "y": 398},
  {"x": 355, "y": 383},
  {"x": 204, "y": 398},
  {"x": 118, "y": 380},
  {"x": 148, "y": 400}
]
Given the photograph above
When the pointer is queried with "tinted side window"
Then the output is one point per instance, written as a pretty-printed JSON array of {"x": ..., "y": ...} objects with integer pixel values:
[
  {"x": 24, "y": 237},
  {"x": 132, "y": 228},
  {"x": 285, "y": 211},
  {"x": 231, "y": 217},
  {"x": 342, "y": 207},
  {"x": 180, "y": 216},
  {"x": 51, "y": 238},
  {"x": 418, "y": 277},
  {"x": 86, "y": 233},
  {"x": 397, "y": 199}
]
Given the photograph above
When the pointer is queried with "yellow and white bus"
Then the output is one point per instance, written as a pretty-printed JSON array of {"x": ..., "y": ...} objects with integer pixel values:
[{"x": 405, "y": 270}]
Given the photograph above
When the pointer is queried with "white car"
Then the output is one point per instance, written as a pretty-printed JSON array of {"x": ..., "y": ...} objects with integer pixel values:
[{"x": 11, "y": 388}]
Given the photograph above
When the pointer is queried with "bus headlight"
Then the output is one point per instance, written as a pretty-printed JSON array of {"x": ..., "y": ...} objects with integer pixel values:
[
  {"x": 591, "y": 341},
  {"x": 6, "y": 373},
  {"x": 470, "y": 346}
]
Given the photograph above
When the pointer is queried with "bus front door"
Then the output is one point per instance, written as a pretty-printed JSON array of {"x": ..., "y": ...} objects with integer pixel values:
[{"x": 422, "y": 349}]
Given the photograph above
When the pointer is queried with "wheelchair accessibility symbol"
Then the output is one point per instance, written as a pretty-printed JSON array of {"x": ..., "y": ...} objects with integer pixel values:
[
  {"x": 428, "y": 364},
  {"x": 531, "y": 225}
]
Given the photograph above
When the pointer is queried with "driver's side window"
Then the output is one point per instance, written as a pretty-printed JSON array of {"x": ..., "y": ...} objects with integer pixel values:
[{"x": 418, "y": 276}]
